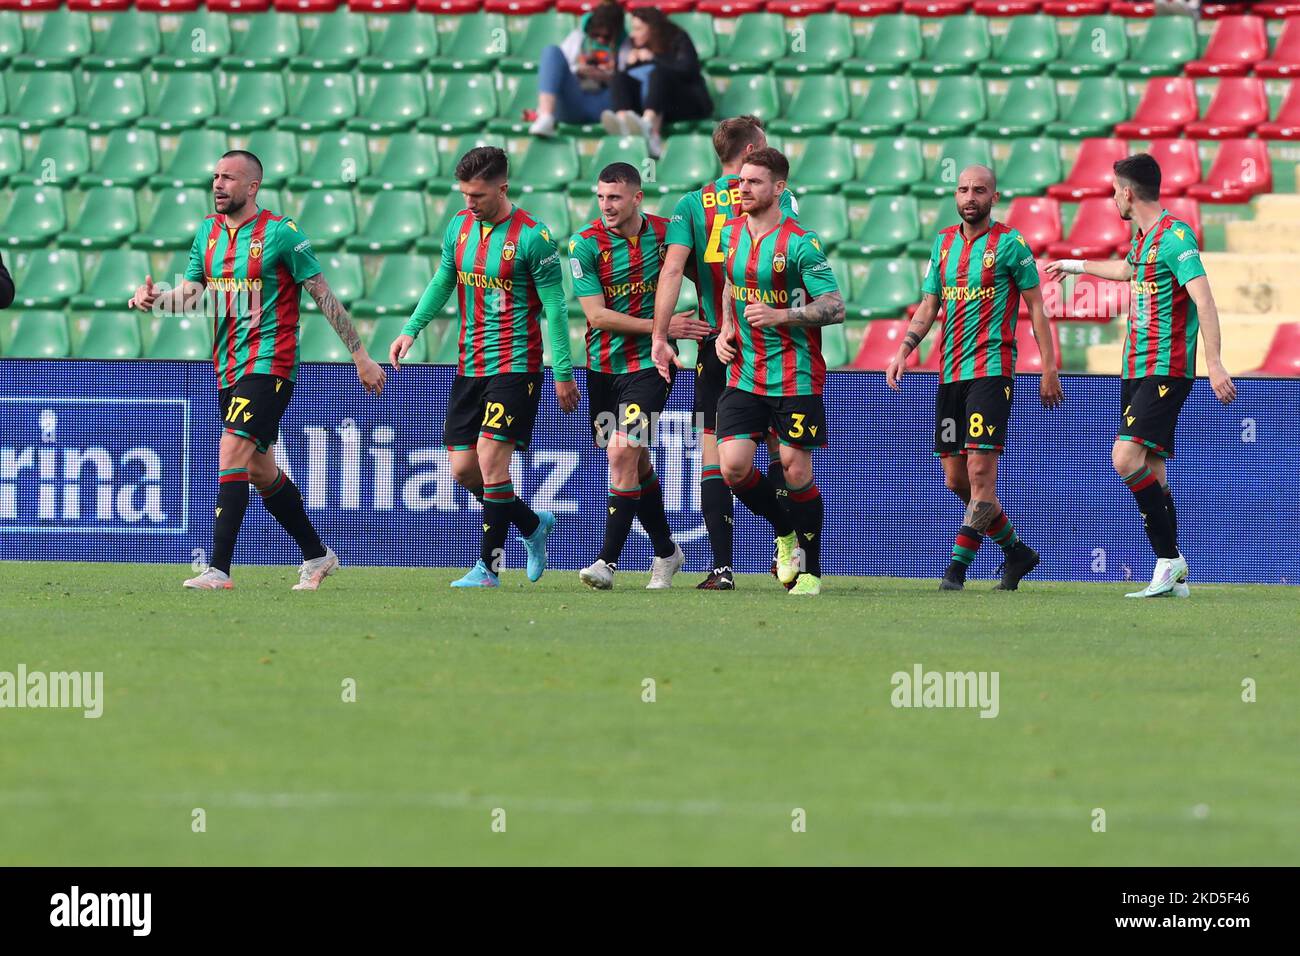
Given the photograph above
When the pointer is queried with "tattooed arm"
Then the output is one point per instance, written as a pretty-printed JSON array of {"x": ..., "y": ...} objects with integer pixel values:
[
  {"x": 826, "y": 309},
  {"x": 371, "y": 375},
  {"x": 917, "y": 330}
]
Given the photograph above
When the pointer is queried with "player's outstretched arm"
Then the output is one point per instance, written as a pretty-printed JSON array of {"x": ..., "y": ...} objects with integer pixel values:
[
  {"x": 1208, "y": 315},
  {"x": 1117, "y": 270},
  {"x": 917, "y": 330},
  {"x": 1049, "y": 388},
  {"x": 368, "y": 370},
  {"x": 149, "y": 297}
]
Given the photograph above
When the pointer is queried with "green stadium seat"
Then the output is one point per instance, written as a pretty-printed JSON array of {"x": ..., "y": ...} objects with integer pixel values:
[
  {"x": 551, "y": 209},
  {"x": 186, "y": 101},
  {"x": 271, "y": 40},
  {"x": 890, "y": 224},
  {"x": 396, "y": 220},
  {"x": 200, "y": 42},
  {"x": 544, "y": 29},
  {"x": 113, "y": 280},
  {"x": 278, "y": 151},
  {"x": 824, "y": 166},
  {"x": 108, "y": 218},
  {"x": 129, "y": 158},
  {"x": 894, "y": 165},
  {"x": 462, "y": 102},
  {"x": 513, "y": 102},
  {"x": 318, "y": 342},
  {"x": 397, "y": 288},
  {"x": 1030, "y": 43},
  {"x": 181, "y": 339},
  {"x": 61, "y": 155},
  {"x": 1034, "y": 164},
  {"x": 844, "y": 280},
  {"x": 48, "y": 280},
  {"x": 835, "y": 346},
  {"x": 44, "y": 100},
  {"x": 110, "y": 335},
  {"x": 11, "y": 154},
  {"x": 431, "y": 244},
  {"x": 891, "y": 102},
  {"x": 340, "y": 40},
  {"x": 1099, "y": 103},
  {"x": 395, "y": 102},
  {"x": 818, "y": 105},
  {"x": 272, "y": 199},
  {"x": 324, "y": 101},
  {"x": 826, "y": 41},
  {"x": 196, "y": 155},
  {"x": 12, "y": 40},
  {"x": 954, "y": 156},
  {"x": 388, "y": 329},
  {"x": 1028, "y": 105},
  {"x": 827, "y": 214},
  {"x": 548, "y": 164},
  {"x": 700, "y": 27},
  {"x": 341, "y": 158},
  {"x": 114, "y": 100},
  {"x": 63, "y": 39},
  {"x": 957, "y": 105},
  {"x": 408, "y": 43},
  {"x": 443, "y": 342},
  {"x": 343, "y": 272},
  {"x": 940, "y": 217},
  {"x": 251, "y": 101},
  {"x": 887, "y": 288},
  {"x": 40, "y": 335},
  {"x": 687, "y": 162},
  {"x": 175, "y": 219},
  {"x": 962, "y": 44},
  {"x": 610, "y": 149},
  {"x": 475, "y": 46},
  {"x": 130, "y": 42},
  {"x": 35, "y": 216},
  {"x": 892, "y": 46},
  {"x": 752, "y": 94},
  {"x": 328, "y": 217},
  {"x": 1167, "y": 45},
  {"x": 757, "y": 43},
  {"x": 410, "y": 162},
  {"x": 1096, "y": 48}
]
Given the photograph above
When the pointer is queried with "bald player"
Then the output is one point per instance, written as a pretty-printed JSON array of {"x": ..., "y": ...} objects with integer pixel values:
[{"x": 978, "y": 271}]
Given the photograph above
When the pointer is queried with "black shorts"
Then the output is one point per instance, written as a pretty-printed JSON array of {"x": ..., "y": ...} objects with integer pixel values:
[
  {"x": 503, "y": 407},
  {"x": 710, "y": 382},
  {"x": 798, "y": 420},
  {"x": 626, "y": 403},
  {"x": 973, "y": 415},
  {"x": 1150, "y": 408},
  {"x": 253, "y": 406}
]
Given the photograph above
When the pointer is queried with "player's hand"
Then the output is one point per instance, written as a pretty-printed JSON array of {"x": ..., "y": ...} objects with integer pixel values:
[
  {"x": 1058, "y": 268},
  {"x": 370, "y": 373},
  {"x": 662, "y": 354},
  {"x": 397, "y": 351},
  {"x": 1049, "y": 389},
  {"x": 723, "y": 346},
  {"x": 685, "y": 325},
  {"x": 566, "y": 393},
  {"x": 145, "y": 296},
  {"x": 1220, "y": 381},
  {"x": 761, "y": 316},
  {"x": 894, "y": 374}
]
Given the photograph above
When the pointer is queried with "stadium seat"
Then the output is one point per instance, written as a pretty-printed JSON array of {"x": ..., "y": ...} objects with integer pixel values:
[
  {"x": 129, "y": 158},
  {"x": 1032, "y": 166},
  {"x": 40, "y": 335},
  {"x": 687, "y": 161},
  {"x": 114, "y": 99},
  {"x": 395, "y": 102},
  {"x": 962, "y": 43},
  {"x": 271, "y": 41},
  {"x": 12, "y": 40},
  {"x": 886, "y": 289},
  {"x": 609, "y": 149},
  {"x": 543, "y": 30},
  {"x": 396, "y": 220},
  {"x": 278, "y": 151},
  {"x": 388, "y": 329},
  {"x": 1075, "y": 8},
  {"x": 1168, "y": 104},
  {"x": 1099, "y": 103},
  {"x": 1286, "y": 124},
  {"x": 893, "y": 45},
  {"x": 1038, "y": 218},
  {"x": 1029, "y": 361},
  {"x": 515, "y": 104},
  {"x": 1093, "y": 173},
  {"x": 890, "y": 224},
  {"x": 954, "y": 156},
  {"x": 1241, "y": 169},
  {"x": 957, "y": 105},
  {"x": 1276, "y": 11},
  {"x": 251, "y": 101},
  {"x": 824, "y": 166},
  {"x": 835, "y": 346},
  {"x": 49, "y": 279},
  {"x": 1285, "y": 58},
  {"x": 328, "y": 217},
  {"x": 113, "y": 280},
  {"x": 550, "y": 210},
  {"x": 827, "y": 214},
  {"x": 186, "y": 101},
  {"x": 820, "y": 102},
  {"x": 61, "y": 155},
  {"x": 1238, "y": 43},
  {"x": 461, "y": 103},
  {"x": 397, "y": 288},
  {"x": 44, "y": 100},
  {"x": 410, "y": 162},
  {"x": 1283, "y": 356},
  {"x": 890, "y": 103},
  {"x": 1239, "y": 105},
  {"x": 1167, "y": 44},
  {"x": 1180, "y": 164},
  {"x": 199, "y": 43},
  {"x": 64, "y": 37},
  {"x": 1028, "y": 106},
  {"x": 936, "y": 8},
  {"x": 318, "y": 342},
  {"x": 108, "y": 218},
  {"x": 11, "y": 154},
  {"x": 1189, "y": 211},
  {"x": 474, "y": 46},
  {"x": 893, "y": 166},
  {"x": 752, "y": 94},
  {"x": 1030, "y": 43},
  {"x": 339, "y": 42},
  {"x": 346, "y": 279},
  {"x": 1096, "y": 233},
  {"x": 130, "y": 42},
  {"x": 326, "y": 101},
  {"x": 1091, "y": 299},
  {"x": 758, "y": 41},
  {"x": 547, "y": 164},
  {"x": 1096, "y": 47},
  {"x": 408, "y": 43},
  {"x": 431, "y": 244},
  {"x": 175, "y": 219},
  {"x": 181, "y": 339},
  {"x": 826, "y": 42},
  {"x": 196, "y": 155},
  {"x": 35, "y": 216},
  {"x": 341, "y": 158},
  {"x": 110, "y": 335},
  {"x": 880, "y": 345}
]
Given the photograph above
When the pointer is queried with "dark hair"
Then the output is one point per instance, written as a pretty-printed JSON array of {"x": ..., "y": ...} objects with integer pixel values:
[
  {"x": 246, "y": 155},
  {"x": 772, "y": 159},
  {"x": 621, "y": 173},
  {"x": 732, "y": 136},
  {"x": 1142, "y": 172},
  {"x": 663, "y": 32},
  {"x": 488, "y": 163},
  {"x": 606, "y": 17}
]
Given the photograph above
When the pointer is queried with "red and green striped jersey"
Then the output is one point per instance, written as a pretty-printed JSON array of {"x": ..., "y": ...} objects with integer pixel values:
[
  {"x": 978, "y": 282},
  {"x": 253, "y": 275},
  {"x": 625, "y": 273},
  {"x": 697, "y": 224},
  {"x": 1162, "y": 320},
  {"x": 784, "y": 268}
]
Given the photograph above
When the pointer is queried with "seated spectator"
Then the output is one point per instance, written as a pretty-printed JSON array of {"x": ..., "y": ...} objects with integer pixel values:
[{"x": 573, "y": 79}]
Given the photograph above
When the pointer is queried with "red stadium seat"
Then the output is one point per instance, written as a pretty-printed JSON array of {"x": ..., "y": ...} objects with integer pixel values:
[
  {"x": 1039, "y": 220},
  {"x": 1006, "y": 8},
  {"x": 1097, "y": 232},
  {"x": 1216, "y": 11},
  {"x": 1093, "y": 173},
  {"x": 1189, "y": 211},
  {"x": 33, "y": 5},
  {"x": 176, "y": 6},
  {"x": 307, "y": 6},
  {"x": 795, "y": 8},
  {"x": 880, "y": 345},
  {"x": 1096, "y": 300},
  {"x": 1028, "y": 359},
  {"x": 1285, "y": 60},
  {"x": 471, "y": 6},
  {"x": 934, "y": 358},
  {"x": 1168, "y": 104},
  {"x": 1127, "y": 9},
  {"x": 530, "y": 7},
  {"x": 381, "y": 6},
  {"x": 936, "y": 8},
  {"x": 868, "y": 8},
  {"x": 1276, "y": 11},
  {"x": 1283, "y": 358},
  {"x": 1237, "y": 44},
  {"x": 1075, "y": 8},
  {"x": 1286, "y": 125},
  {"x": 232, "y": 6},
  {"x": 1239, "y": 105},
  {"x": 1240, "y": 170},
  {"x": 1180, "y": 164},
  {"x": 99, "y": 6},
  {"x": 722, "y": 8},
  {"x": 667, "y": 6}
]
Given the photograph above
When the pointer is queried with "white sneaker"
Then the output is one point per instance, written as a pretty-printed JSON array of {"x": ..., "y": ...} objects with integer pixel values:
[
  {"x": 613, "y": 123},
  {"x": 654, "y": 144},
  {"x": 663, "y": 569},
  {"x": 544, "y": 126},
  {"x": 598, "y": 575},
  {"x": 211, "y": 580},
  {"x": 313, "y": 572},
  {"x": 1167, "y": 574}
]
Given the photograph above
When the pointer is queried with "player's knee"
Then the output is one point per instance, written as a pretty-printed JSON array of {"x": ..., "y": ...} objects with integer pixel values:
[
  {"x": 959, "y": 485},
  {"x": 261, "y": 471},
  {"x": 466, "y": 474},
  {"x": 1127, "y": 457},
  {"x": 734, "y": 470},
  {"x": 624, "y": 465},
  {"x": 798, "y": 472}
]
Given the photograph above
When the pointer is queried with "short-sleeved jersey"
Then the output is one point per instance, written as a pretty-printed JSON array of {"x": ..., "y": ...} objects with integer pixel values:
[
  {"x": 779, "y": 268},
  {"x": 1162, "y": 320},
  {"x": 697, "y": 224},
  {"x": 499, "y": 267},
  {"x": 625, "y": 272},
  {"x": 978, "y": 282},
  {"x": 254, "y": 275}
]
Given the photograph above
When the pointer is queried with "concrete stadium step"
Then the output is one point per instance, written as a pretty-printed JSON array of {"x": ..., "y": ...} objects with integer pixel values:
[
  {"x": 1258, "y": 284},
  {"x": 1267, "y": 236},
  {"x": 1278, "y": 206},
  {"x": 1245, "y": 342}
]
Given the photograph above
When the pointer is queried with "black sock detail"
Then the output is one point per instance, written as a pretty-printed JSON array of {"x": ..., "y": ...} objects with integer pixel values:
[
  {"x": 807, "y": 511},
  {"x": 718, "y": 505},
  {"x": 496, "y": 525},
  {"x": 654, "y": 518},
  {"x": 620, "y": 509},
  {"x": 286, "y": 506},
  {"x": 1173, "y": 513},
  {"x": 759, "y": 496},
  {"x": 232, "y": 502},
  {"x": 1155, "y": 515},
  {"x": 523, "y": 517}
]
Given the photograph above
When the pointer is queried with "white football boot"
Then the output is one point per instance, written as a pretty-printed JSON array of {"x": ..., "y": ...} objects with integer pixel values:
[
  {"x": 663, "y": 569},
  {"x": 1167, "y": 574},
  {"x": 211, "y": 580},
  {"x": 598, "y": 575},
  {"x": 313, "y": 572}
]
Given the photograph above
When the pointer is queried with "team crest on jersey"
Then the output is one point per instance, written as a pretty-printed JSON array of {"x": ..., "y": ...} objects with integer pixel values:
[
  {"x": 255, "y": 249},
  {"x": 1151, "y": 256},
  {"x": 508, "y": 250},
  {"x": 988, "y": 259},
  {"x": 778, "y": 262}
]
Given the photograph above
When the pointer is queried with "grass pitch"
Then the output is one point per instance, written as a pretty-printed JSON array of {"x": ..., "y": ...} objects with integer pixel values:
[{"x": 529, "y": 700}]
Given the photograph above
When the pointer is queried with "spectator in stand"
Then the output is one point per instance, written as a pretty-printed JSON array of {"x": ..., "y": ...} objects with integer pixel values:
[
  {"x": 6, "y": 287},
  {"x": 573, "y": 79}
]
